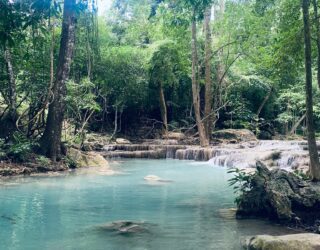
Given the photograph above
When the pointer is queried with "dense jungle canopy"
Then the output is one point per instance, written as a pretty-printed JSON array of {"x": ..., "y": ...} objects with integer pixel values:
[{"x": 145, "y": 66}]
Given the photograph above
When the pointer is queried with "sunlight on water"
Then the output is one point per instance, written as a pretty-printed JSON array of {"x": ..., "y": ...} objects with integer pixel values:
[{"x": 187, "y": 209}]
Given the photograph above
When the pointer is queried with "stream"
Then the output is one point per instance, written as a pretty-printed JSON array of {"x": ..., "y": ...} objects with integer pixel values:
[{"x": 188, "y": 208}]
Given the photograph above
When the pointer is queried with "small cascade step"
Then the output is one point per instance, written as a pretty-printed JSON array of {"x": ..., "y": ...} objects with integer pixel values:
[
  {"x": 149, "y": 154},
  {"x": 180, "y": 152}
]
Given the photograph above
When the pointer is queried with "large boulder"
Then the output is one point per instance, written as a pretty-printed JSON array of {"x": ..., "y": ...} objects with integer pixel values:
[
  {"x": 87, "y": 159},
  {"x": 281, "y": 196},
  {"x": 305, "y": 241},
  {"x": 234, "y": 135},
  {"x": 175, "y": 136}
]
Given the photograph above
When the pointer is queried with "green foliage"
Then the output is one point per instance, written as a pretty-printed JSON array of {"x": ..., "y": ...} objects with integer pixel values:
[
  {"x": 20, "y": 148},
  {"x": 70, "y": 162},
  {"x": 81, "y": 101},
  {"x": 124, "y": 82},
  {"x": 165, "y": 65},
  {"x": 302, "y": 175},
  {"x": 241, "y": 182},
  {"x": 121, "y": 58},
  {"x": 43, "y": 161}
]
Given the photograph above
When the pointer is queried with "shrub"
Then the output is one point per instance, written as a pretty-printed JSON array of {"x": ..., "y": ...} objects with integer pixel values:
[
  {"x": 241, "y": 182},
  {"x": 20, "y": 147}
]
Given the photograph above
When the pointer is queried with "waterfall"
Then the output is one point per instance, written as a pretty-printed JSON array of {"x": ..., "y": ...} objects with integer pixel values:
[{"x": 280, "y": 154}]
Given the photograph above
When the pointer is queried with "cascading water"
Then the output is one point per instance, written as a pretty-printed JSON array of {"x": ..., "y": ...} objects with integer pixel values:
[{"x": 282, "y": 154}]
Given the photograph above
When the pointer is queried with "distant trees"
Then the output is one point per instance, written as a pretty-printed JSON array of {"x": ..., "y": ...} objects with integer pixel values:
[
  {"x": 165, "y": 69},
  {"x": 189, "y": 65}
]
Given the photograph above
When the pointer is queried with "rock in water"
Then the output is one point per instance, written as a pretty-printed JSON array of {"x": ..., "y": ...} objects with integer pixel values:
[
  {"x": 282, "y": 196},
  {"x": 306, "y": 241},
  {"x": 152, "y": 178},
  {"x": 227, "y": 213}
]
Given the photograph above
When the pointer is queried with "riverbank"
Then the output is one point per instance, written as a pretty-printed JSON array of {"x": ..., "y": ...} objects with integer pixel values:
[{"x": 36, "y": 164}]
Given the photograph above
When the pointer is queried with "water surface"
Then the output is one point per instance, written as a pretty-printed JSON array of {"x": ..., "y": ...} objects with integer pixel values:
[{"x": 66, "y": 212}]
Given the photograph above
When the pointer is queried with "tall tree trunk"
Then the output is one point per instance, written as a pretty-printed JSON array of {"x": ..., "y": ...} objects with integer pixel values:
[
  {"x": 195, "y": 85},
  {"x": 51, "y": 139},
  {"x": 12, "y": 84},
  {"x": 208, "y": 83},
  {"x": 317, "y": 24},
  {"x": 163, "y": 109},
  {"x": 313, "y": 152},
  {"x": 220, "y": 69},
  {"x": 264, "y": 102}
]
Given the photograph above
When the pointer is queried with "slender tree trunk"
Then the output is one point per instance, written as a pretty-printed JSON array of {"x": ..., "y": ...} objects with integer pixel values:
[
  {"x": 163, "y": 109},
  {"x": 51, "y": 139},
  {"x": 220, "y": 69},
  {"x": 115, "y": 123},
  {"x": 12, "y": 84},
  {"x": 296, "y": 125},
  {"x": 51, "y": 61},
  {"x": 313, "y": 152},
  {"x": 264, "y": 102},
  {"x": 317, "y": 24},
  {"x": 195, "y": 85},
  {"x": 208, "y": 83}
]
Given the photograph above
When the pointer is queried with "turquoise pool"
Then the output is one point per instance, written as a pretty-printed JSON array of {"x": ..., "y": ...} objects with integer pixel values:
[{"x": 67, "y": 211}]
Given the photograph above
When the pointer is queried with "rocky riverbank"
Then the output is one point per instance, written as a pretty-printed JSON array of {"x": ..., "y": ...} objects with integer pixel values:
[
  {"x": 8, "y": 169},
  {"x": 41, "y": 165},
  {"x": 304, "y": 241}
]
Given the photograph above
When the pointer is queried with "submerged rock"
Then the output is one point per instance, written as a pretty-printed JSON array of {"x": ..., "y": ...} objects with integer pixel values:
[
  {"x": 281, "y": 196},
  {"x": 125, "y": 227},
  {"x": 306, "y": 241},
  {"x": 155, "y": 178},
  {"x": 152, "y": 178},
  {"x": 228, "y": 213}
]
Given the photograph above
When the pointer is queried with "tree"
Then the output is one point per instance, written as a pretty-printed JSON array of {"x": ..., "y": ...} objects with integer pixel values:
[
  {"x": 204, "y": 142},
  {"x": 208, "y": 83},
  {"x": 164, "y": 71},
  {"x": 317, "y": 25},
  {"x": 313, "y": 151},
  {"x": 51, "y": 139}
]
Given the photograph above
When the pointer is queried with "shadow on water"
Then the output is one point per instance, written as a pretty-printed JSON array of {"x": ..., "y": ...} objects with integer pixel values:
[{"x": 11, "y": 219}]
